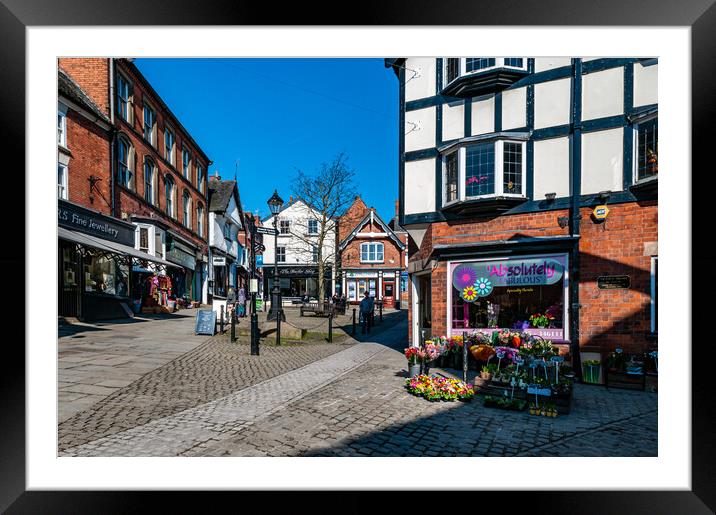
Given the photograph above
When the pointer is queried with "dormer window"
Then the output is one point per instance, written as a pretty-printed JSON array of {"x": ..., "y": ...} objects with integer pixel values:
[
  {"x": 470, "y": 76},
  {"x": 483, "y": 170}
]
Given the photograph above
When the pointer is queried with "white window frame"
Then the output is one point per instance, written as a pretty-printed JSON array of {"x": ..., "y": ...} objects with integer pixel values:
[
  {"x": 283, "y": 248},
  {"x": 499, "y": 171},
  {"x": 377, "y": 245},
  {"x": 131, "y": 165},
  {"x": 128, "y": 116},
  {"x": 499, "y": 63},
  {"x": 186, "y": 208},
  {"x": 62, "y": 124},
  {"x": 287, "y": 224},
  {"x": 62, "y": 191},
  {"x": 310, "y": 221},
  {"x": 170, "y": 210},
  {"x": 635, "y": 150},
  {"x": 153, "y": 133},
  {"x": 169, "y": 153}
]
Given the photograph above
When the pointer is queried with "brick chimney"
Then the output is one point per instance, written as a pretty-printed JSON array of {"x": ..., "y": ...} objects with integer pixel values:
[{"x": 397, "y": 208}]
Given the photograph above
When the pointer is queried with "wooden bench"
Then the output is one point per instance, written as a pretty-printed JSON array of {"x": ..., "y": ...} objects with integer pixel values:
[{"x": 320, "y": 309}]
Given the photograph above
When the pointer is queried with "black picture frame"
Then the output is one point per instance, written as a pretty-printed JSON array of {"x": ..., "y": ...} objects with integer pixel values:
[{"x": 699, "y": 15}]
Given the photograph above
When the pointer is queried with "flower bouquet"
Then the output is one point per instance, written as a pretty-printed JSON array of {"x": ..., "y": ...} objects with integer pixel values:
[
  {"x": 541, "y": 320},
  {"x": 415, "y": 357},
  {"x": 435, "y": 388}
]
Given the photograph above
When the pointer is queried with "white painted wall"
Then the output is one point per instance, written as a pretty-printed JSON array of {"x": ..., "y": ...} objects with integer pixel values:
[
  {"x": 483, "y": 116},
  {"x": 298, "y": 249},
  {"x": 514, "y": 108},
  {"x": 420, "y": 186},
  {"x": 603, "y": 93},
  {"x": 602, "y": 161},
  {"x": 552, "y": 103},
  {"x": 548, "y": 63},
  {"x": 216, "y": 229},
  {"x": 453, "y": 120},
  {"x": 551, "y": 167},
  {"x": 422, "y": 84},
  {"x": 423, "y": 135},
  {"x": 646, "y": 84}
]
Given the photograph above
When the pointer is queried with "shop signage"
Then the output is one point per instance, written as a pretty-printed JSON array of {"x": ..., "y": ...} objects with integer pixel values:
[
  {"x": 367, "y": 273},
  {"x": 546, "y": 333},
  {"x": 205, "y": 322},
  {"x": 218, "y": 260},
  {"x": 298, "y": 271},
  {"x": 477, "y": 279},
  {"x": 253, "y": 285},
  {"x": 613, "y": 282},
  {"x": 600, "y": 212},
  {"x": 182, "y": 258},
  {"x": 86, "y": 221},
  {"x": 259, "y": 261}
]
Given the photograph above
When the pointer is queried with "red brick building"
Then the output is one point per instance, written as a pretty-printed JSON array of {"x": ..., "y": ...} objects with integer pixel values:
[
  {"x": 137, "y": 164},
  {"x": 372, "y": 255},
  {"x": 528, "y": 186}
]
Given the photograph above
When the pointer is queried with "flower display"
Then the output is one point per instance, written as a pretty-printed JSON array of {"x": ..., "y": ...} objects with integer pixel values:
[
  {"x": 414, "y": 355},
  {"x": 432, "y": 351},
  {"x": 436, "y": 388},
  {"x": 482, "y": 352},
  {"x": 541, "y": 320},
  {"x": 465, "y": 276},
  {"x": 508, "y": 352}
]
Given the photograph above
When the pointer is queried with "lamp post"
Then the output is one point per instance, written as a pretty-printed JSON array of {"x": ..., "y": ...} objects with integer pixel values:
[
  {"x": 254, "y": 315},
  {"x": 275, "y": 204}
]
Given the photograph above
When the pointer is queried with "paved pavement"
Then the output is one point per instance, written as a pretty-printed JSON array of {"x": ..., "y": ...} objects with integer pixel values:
[{"x": 338, "y": 400}]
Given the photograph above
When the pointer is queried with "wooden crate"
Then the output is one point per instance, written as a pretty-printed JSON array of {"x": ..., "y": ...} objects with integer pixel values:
[{"x": 624, "y": 380}]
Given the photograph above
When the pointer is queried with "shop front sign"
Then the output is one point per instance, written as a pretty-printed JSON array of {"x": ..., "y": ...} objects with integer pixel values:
[
  {"x": 182, "y": 258},
  {"x": 367, "y": 273},
  {"x": 218, "y": 260},
  {"x": 84, "y": 220}
]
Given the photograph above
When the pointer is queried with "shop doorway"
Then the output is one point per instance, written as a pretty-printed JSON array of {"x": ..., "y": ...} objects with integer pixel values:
[
  {"x": 69, "y": 278},
  {"x": 389, "y": 294},
  {"x": 425, "y": 305}
]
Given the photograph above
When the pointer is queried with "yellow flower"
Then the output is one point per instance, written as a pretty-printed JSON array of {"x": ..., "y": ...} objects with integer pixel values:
[{"x": 469, "y": 293}]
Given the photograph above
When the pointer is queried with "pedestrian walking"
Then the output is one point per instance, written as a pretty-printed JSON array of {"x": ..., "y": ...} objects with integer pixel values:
[
  {"x": 366, "y": 307},
  {"x": 242, "y": 302}
]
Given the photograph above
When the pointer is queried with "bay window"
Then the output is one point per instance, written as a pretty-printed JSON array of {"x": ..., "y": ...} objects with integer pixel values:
[
  {"x": 470, "y": 76},
  {"x": 484, "y": 169},
  {"x": 646, "y": 162}
]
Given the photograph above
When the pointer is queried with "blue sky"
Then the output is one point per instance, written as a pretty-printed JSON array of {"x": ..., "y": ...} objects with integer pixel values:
[{"x": 278, "y": 115}]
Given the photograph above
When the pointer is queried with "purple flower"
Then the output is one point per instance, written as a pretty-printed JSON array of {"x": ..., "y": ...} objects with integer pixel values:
[{"x": 465, "y": 276}]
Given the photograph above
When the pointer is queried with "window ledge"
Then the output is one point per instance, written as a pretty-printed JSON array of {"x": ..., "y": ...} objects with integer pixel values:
[
  {"x": 646, "y": 186},
  {"x": 496, "y": 204},
  {"x": 480, "y": 83}
]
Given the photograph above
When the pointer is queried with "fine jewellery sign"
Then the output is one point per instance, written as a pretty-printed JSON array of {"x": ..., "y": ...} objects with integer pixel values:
[{"x": 95, "y": 224}]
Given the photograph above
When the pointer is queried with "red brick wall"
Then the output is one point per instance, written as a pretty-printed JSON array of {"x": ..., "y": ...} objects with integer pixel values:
[
  {"x": 350, "y": 257},
  {"x": 92, "y": 75},
  {"x": 608, "y": 318},
  {"x": 351, "y": 217},
  {"x": 89, "y": 145}
]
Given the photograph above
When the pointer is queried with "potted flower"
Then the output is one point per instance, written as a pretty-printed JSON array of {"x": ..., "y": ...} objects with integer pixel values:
[
  {"x": 413, "y": 355},
  {"x": 541, "y": 320},
  {"x": 485, "y": 372},
  {"x": 591, "y": 369}
]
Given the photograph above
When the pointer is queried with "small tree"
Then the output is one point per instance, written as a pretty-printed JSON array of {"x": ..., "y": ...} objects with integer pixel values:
[{"x": 327, "y": 194}]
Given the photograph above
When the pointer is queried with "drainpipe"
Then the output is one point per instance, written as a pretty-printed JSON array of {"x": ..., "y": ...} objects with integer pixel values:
[
  {"x": 574, "y": 215},
  {"x": 114, "y": 134}
]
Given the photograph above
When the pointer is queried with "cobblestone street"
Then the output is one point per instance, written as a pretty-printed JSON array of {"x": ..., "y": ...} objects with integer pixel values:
[{"x": 319, "y": 399}]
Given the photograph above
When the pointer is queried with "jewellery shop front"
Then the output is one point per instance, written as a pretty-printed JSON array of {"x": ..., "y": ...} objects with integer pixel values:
[{"x": 96, "y": 255}]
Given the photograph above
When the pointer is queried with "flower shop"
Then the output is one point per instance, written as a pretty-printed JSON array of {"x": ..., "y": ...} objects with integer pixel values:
[{"x": 517, "y": 370}]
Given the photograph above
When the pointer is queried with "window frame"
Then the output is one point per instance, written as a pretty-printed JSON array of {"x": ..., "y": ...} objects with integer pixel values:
[
  {"x": 63, "y": 184},
  {"x": 312, "y": 221},
  {"x": 153, "y": 183},
  {"x": 200, "y": 219},
  {"x": 152, "y": 140},
  {"x": 129, "y": 101},
  {"x": 281, "y": 254},
  {"x": 635, "y": 148},
  {"x": 130, "y": 166},
  {"x": 498, "y": 171},
  {"x": 169, "y": 154},
  {"x": 200, "y": 177},
  {"x": 286, "y": 224},
  {"x": 462, "y": 67},
  {"x": 170, "y": 200},
  {"x": 62, "y": 125},
  {"x": 186, "y": 209},
  {"x": 226, "y": 230},
  {"x": 314, "y": 253},
  {"x": 376, "y": 245},
  {"x": 186, "y": 165}
]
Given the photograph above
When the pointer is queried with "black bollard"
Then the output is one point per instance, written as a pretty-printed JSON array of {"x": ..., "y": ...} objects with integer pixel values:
[
  {"x": 221, "y": 321},
  {"x": 330, "y": 326},
  {"x": 254, "y": 334},
  {"x": 354, "y": 321},
  {"x": 380, "y": 311},
  {"x": 464, "y": 357},
  {"x": 233, "y": 326}
]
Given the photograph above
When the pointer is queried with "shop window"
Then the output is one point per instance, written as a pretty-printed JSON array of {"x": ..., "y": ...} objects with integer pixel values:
[
  {"x": 280, "y": 254},
  {"x": 484, "y": 170},
  {"x": 61, "y": 181},
  {"x": 125, "y": 163},
  {"x": 371, "y": 252},
  {"x": 313, "y": 227},
  {"x": 62, "y": 125},
  {"x": 169, "y": 145},
  {"x": 150, "y": 125},
  {"x": 647, "y": 162},
  {"x": 124, "y": 98},
  {"x": 106, "y": 275},
  {"x": 284, "y": 227},
  {"x": 520, "y": 294}
]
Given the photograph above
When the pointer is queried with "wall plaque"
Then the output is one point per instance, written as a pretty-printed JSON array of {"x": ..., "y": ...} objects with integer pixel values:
[{"x": 614, "y": 282}]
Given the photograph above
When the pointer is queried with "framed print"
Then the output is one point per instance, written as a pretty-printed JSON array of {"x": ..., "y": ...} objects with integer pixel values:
[{"x": 457, "y": 172}]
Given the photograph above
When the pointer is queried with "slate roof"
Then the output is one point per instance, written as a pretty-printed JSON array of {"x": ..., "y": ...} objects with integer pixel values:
[
  {"x": 377, "y": 219},
  {"x": 393, "y": 224},
  {"x": 69, "y": 89},
  {"x": 220, "y": 195}
]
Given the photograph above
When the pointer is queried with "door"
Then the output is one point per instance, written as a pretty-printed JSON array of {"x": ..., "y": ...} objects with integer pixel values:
[{"x": 389, "y": 294}]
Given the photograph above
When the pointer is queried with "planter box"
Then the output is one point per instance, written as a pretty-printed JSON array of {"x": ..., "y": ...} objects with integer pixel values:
[
  {"x": 623, "y": 380},
  {"x": 651, "y": 382}
]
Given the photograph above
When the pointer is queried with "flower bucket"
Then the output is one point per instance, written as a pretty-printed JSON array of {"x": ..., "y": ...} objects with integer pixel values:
[
  {"x": 591, "y": 373},
  {"x": 413, "y": 370}
]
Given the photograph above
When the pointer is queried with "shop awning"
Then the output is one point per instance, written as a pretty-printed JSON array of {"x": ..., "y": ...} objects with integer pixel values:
[{"x": 109, "y": 247}]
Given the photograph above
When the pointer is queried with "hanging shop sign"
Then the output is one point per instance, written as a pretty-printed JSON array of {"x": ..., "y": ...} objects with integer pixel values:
[
  {"x": 477, "y": 279},
  {"x": 84, "y": 220},
  {"x": 218, "y": 260},
  {"x": 614, "y": 282}
]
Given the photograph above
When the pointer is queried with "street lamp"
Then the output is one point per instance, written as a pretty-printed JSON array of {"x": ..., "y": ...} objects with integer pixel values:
[{"x": 275, "y": 204}]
